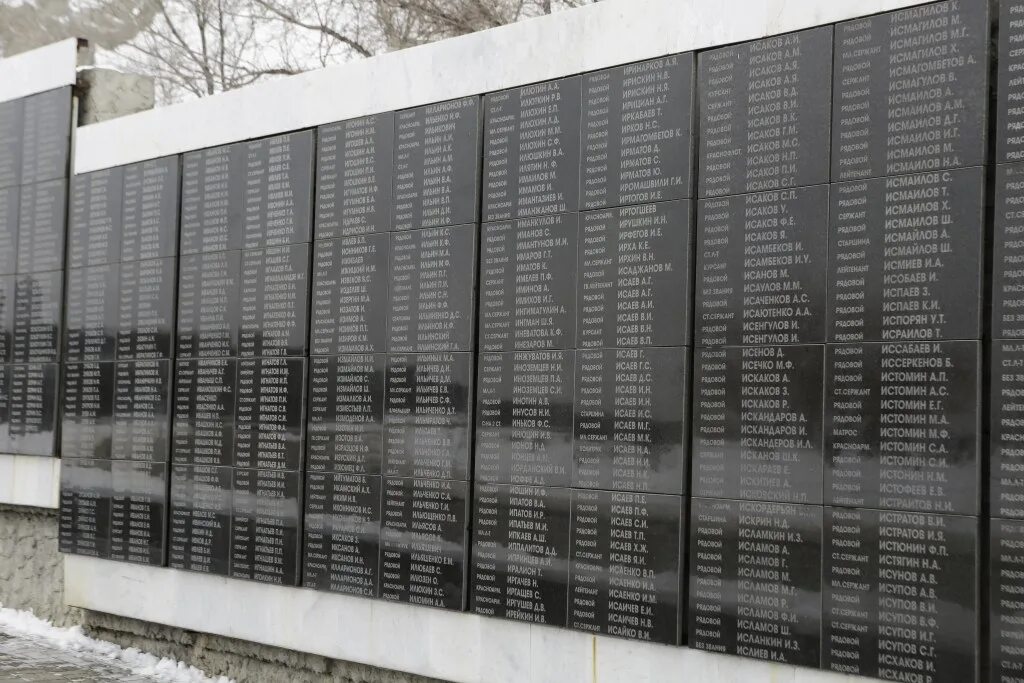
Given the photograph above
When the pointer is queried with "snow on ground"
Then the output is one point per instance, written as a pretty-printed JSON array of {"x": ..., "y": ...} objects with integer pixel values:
[{"x": 18, "y": 622}]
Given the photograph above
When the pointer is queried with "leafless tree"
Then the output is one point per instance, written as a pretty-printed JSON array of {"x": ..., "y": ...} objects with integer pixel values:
[{"x": 105, "y": 23}]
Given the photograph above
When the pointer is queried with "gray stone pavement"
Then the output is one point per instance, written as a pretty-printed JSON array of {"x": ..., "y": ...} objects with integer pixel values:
[{"x": 24, "y": 659}]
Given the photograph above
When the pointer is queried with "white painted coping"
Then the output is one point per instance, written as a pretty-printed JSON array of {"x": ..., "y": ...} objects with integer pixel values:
[
  {"x": 35, "y": 71},
  {"x": 30, "y": 480}
]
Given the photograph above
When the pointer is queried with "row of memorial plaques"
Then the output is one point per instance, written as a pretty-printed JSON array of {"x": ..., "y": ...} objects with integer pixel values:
[
  {"x": 35, "y": 137},
  {"x": 28, "y": 408},
  {"x": 32, "y": 222}
]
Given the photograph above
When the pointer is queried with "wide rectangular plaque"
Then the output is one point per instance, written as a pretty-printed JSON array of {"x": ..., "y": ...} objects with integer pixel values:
[
  {"x": 354, "y": 163},
  {"x": 350, "y": 295},
  {"x": 1005, "y": 602},
  {"x": 1008, "y": 252},
  {"x": 87, "y": 417},
  {"x": 208, "y": 304},
  {"x": 911, "y": 90},
  {"x": 626, "y": 565},
  {"x": 635, "y": 276},
  {"x": 91, "y": 313},
  {"x": 637, "y": 133},
  {"x": 142, "y": 411},
  {"x": 38, "y": 304},
  {"x": 437, "y": 165},
  {"x": 346, "y": 414},
  {"x": 42, "y": 219},
  {"x": 903, "y": 426},
  {"x": 432, "y": 290},
  {"x": 33, "y": 408},
  {"x": 520, "y": 553},
  {"x": 900, "y": 595},
  {"x": 274, "y": 299},
  {"x": 150, "y": 213},
  {"x": 755, "y": 580},
  {"x": 199, "y": 533},
  {"x": 528, "y": 283},
  {"x": 341, "y": 546},
  {"x": 764, "y": 113},
  {"x": 96, "y": 223},
  {"x": 204, "y": 411},
  {"x": 9, "y": 201},
  {"x": 428, "y": 415},
  {"x": 270, "y": 413},
  {"x": 758, "y": 426},
  {"x": 265, "y": 526},
  {"x": 278, "y": 195},
  {"x": 146, "y": 310},
  {"x": 46, "y": 135},
  {"x": 424, "y": 526},
  {"x": 761, "y": 265},
  {"x": 138, "y": 512},
  {"x": 524, "y": 418},
  {"x": 85, "y": 493},
  {"x": 212, "y": 187},
  {"x": 631, "y": 419},
  {"x": 12, "y": 123},
  {"x": 532, "y": 150},
  {"x": 905, "y": 257}
]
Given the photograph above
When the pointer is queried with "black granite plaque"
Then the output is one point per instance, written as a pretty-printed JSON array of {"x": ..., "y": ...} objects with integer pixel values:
[
  {"x": 85, "y": 493},
  {"x": 12, "y": 123},
  {"x": 635, "y": 272},
  {"x": 903, "y": 426},
  {"x": 278, "y": 199},
  {"x": 341, "y": 547},
  {"x": 354, "y": 162},
  {"x": 208, "y": 304},
  {"x": 274, "y": 296},
  {"x": 1005, "y": 601},
  {"x": 761, "y": 265},
  {"x": 758, "y": 424},
  {"x": 428, "y": 415},
  {"x": 270, "y": 414},
  {"x": 96, "y": 223},
  {"x": 138, "y": 512},
  {"x": 7, "y": 294},
  {"x": 1006, "y": 469},
  {"x": 631, "y": 417},
  {"x": 1010, "y": 60},
  {"x": 146, "y": 311},
  {"x": 911, "y": 90},
  {"x": 142, "y": 411},
  {"x": 151, "y": 209},
  {"x": 33, "y": 408},
  {"x": 41, "y": 219},
  {"x": 431, "y": 297},
  {"x": 905, "y": 257},
  {"x": 212, "y": 193},
  {"x": 346, "y": 414},
  {"x": 625, "y": 573},
  {"x": 350, "y": 295},
  {"x": 87, "y": 417},
  {"x": 204, "y": 411},
  {"x": 524, "y": 418},
  {"x": 437, "y": 164},
  {"x": 9, "y": 200},
  {"x": 900, "y": 596},
  {"x": 423, "y": 542},
  {"x": 199, "y": 535},
  {"x": 91, "y": 313},
  {"x": 38, "y": 300},
  {"x": 755, "y": 580},
  {"x": 5, "y": 408},
  {"x": 638, "y": 133},
  {"x": 1008, "y": 251},
  {"x": 520, "y": 565},
  {"x": 532, "y": 150},
  {"x": 46, "y": 136},
  {"x": 764, "y": 113},
  {"x": 528, "y": 283},
  {"x": 265, "y": 523}
]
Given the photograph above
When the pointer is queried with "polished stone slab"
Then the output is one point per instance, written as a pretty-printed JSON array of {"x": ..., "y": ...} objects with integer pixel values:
[
  {"x": 424, "y": 535},
  {"x": 354, "y": 173},
  {"x": 270, "y": 413},
  {"x": 96, "y": 224},
  {"x": 9, "y": 201},
  {"x": 1006, "y": 430},
  {"x": 532, "y": 150},
  {"x": 204, "y": 411},
  {"x": 521, "y": 551},
  {"x": 38, "y": 316},
  {"x": 274, "y": 301},
  {"x": 12, "y": 123},
  {"x": 199, "y": 531},
  {"x": 1009, "y": 117},
  {"x": 208, "y": 305},
  {"x": 761, "y": 268},
  {"x": 903, "y": 426},
  {"x": 350, "y": 295},
  {"x": 528, "y": 283},
  {"x": 91, "y": 313},
  {"x": 631, "y": 420},
  {"x": 151, "y": 209},
  {"x": 1008, "y": 252},
  {"x": 638, "y": 133},
  {"x": 5, "y": 407},
  {"x": 524, "y": 418},
  {"x": 634, "y": 286},
  {"x": 437, "y": 165},
  {"x": 905, "y": 257},
  {"x": 138, "y": 512},
  {"x": 1005, "y": 659},
  {"x": 142, "y": 411},
  {"x": 912, "y": 88},
  {"x": 87, "y": 412},
  {"x": 84, "y": 517},
  {"x": 46, "y": 135},
  {"x": 346, "y": 414},
  {"x": 755, "y": 580},
  {"x": 34, "y": 390},
  {"x": 146, "y": 310},
  {"x": 764, "y": 111},
  {"x": 212, "y": 187},
  {"x": 7, "y": 293},
  {"x": 758, "y": 434},
  {"x": 266, "y": 518},
  {"x": 341, "y": 527},
  {"x": 277, "y": 199},
  {"x": 42, "y": 217},
  {"x": 900, "y": 595}
]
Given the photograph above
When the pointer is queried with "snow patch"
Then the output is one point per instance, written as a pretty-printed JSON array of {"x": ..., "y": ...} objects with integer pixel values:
[{"x": 140, "y": 663}]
